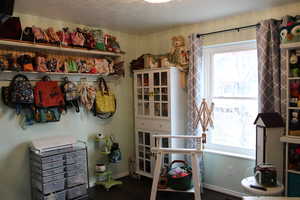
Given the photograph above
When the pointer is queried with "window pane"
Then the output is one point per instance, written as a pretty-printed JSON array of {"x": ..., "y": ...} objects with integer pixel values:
[
  {"x": 235, "y": 74},
  {"x": 233, "y": 123}
]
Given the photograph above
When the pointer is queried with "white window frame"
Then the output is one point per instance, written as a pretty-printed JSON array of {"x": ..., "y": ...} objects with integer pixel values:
[{"x": 208, "y": 52}]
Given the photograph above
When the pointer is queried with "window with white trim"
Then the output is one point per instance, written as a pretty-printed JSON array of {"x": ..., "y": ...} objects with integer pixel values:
[{"x": 231, "y": 77}]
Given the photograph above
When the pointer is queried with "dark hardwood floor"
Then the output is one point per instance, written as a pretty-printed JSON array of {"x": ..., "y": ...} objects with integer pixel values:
[{"x": 133, "y": 189}]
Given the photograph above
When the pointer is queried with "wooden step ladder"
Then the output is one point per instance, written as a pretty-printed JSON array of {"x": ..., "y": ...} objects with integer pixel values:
[{"x": 194, "y": 153}]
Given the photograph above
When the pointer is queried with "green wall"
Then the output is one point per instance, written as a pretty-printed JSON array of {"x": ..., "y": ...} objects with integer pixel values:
[{"x": 14, "y": 165}]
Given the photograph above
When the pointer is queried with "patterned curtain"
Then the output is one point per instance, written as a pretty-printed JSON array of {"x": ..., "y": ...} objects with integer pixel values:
[
  {"x": 271, "y": 67},
  {"x": 195, "y": 91}
]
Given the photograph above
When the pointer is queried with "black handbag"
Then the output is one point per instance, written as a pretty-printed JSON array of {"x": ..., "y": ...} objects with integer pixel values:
[
  {"x": 11, "y": 29},
  {"x": 27, "y": 34}
]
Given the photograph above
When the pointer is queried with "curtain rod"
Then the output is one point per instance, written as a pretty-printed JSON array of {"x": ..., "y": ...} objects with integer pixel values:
[{"x": 227, "y": 30}]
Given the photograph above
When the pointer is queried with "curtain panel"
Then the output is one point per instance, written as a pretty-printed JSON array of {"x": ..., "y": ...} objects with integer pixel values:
[
  {"x": 271, "y": 67},
  {"x": 195, "y": 93}
]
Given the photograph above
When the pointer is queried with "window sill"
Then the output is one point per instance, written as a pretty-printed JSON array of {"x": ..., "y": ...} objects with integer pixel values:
[{"x": 235, "y": 155}]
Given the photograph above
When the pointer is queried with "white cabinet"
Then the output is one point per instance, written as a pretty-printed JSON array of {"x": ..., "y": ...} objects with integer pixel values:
[{"x": 160, "y": 108}]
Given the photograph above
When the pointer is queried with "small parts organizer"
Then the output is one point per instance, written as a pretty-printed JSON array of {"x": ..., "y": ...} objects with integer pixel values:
[{"x": 60, "y": 174}]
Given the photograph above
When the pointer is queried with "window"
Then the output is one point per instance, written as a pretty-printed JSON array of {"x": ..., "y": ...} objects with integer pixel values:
[{"x": 231, "y": 75}]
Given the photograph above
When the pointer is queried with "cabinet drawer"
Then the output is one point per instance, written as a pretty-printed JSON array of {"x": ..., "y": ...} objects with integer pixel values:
[
  {"x": 161, "y": 125},
  {"x": 155, "y": 125}
]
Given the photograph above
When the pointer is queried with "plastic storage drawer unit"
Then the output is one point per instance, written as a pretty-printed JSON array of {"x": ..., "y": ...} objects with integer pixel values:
[
  {"x": 48, "y": 159},
  {"x": 50, "y": 187},
  {"x": 46, "y": 179},
  {"x": 75, "y": 172},
  {"x": 57, "y": 196},
  {"x": 76, "y": 191},
  {"x": 50, "y": 165},
  {"x": 76, "y": 180},
  {"x": 49, "y": 172}
]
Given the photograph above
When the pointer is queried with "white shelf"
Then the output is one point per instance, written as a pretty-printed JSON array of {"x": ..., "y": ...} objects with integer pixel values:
[
  {"x": 295, "y": 45},
  {"x": 293, "y": 171},
  {"x": 21, "y": 45},
  {"x": 294, "y": 78},
  {"x": 290, "y": 139},
  {"x": 192, "y": 190},
  {"x": 36, "y": 76},
  {"x": 294, "y": 108}
]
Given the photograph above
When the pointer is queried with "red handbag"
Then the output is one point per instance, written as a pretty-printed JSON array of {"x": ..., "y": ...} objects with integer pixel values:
[
  {"x": 65, "y": 37},
  {"x": 47, "y": 93},
  {"x": 77, "y": 38},
  {"x": 11, "y": 29}
]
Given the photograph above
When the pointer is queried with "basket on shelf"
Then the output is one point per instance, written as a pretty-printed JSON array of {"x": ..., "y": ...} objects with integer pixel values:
[{"x": 180, "y": 178}]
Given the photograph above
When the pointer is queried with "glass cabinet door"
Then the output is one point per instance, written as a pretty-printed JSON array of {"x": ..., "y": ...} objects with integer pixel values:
[
  {"x": 143, "y": 94},
  {"x": 152, "y": 94},
  {"x": 160, "y": 94},
  {"x": 144, "y": 152}
]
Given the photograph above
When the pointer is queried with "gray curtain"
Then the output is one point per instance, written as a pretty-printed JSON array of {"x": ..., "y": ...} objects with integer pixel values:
[
  {"x": 195, "y": 92},
  {"x": 271, "y": 67}
]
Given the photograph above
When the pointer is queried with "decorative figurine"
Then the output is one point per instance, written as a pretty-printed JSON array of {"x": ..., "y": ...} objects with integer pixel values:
[{"x": 179, "y": 54}]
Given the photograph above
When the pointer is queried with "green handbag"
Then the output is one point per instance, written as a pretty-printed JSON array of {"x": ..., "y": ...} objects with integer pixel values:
[
  {"x": 98, "y": 35},
  {"x": 72, "y": 66}
]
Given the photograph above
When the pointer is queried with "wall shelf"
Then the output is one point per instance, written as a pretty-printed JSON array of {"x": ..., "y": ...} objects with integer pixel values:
[
  {"x": 293, "y": 171},
  {"x": 294, "y": 108},
  {"x": 290, "y": 46},
  {"x": 290, "y": 139},
  {"x": 36, "y": 76},
  {"x": 293, "y": 78},
  {"x": 29, "y": 46}
]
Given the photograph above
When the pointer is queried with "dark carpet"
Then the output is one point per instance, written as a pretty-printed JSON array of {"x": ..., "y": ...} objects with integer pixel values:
[{"x": 133, "y": 189}]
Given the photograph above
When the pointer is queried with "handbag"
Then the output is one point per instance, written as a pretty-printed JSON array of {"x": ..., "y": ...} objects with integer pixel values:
[
  {"x": 102, "y": 66},
  {"x": 65, "y": 37},
  {"x": 105, "y": 99},
  {"x": 27, "y": 34},
  {"x": 71, "y": 94},
  {"x": 40, "y": 35},
  {"x": 90, "y": 41},
  {"x": 21, "y": 90},
  {"x": 5, "y": 94},
  {"x": 41, "y": 64},
  {"x": 77, "y": 38},
  {"x": 25, "y": 61},
  {"x": 11, "y": 29},
  {"x": 180, "y": 178},
  {"x": 98, "y": 35},
  {"x": 87, "y": 94},
  {"x": 53, "y": 37},
  {"x": 72, "y": 66},
  {"x": 47, "y": 93},
  {"x": 44, "y": 115}
]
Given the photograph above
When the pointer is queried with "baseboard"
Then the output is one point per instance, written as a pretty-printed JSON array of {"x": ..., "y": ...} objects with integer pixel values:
[
  {"x": 121, "y": 175},
  {"x": 224, "y": 190}
]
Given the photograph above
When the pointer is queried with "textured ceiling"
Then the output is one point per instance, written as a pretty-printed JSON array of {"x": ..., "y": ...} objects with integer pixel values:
[{"x": 137, "y": 16}]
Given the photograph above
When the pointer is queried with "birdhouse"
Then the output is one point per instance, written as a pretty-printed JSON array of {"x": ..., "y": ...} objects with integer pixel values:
[{"x": 269, "y": 149}]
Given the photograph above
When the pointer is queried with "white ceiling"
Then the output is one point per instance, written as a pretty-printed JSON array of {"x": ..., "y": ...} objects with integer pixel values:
[{"x": 137, "y": 16}]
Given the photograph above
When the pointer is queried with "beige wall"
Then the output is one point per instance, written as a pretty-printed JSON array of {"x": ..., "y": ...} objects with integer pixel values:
[
  {"x": 160, "y": 42},
  {"x": 14, "y": 165},
  {"x": 221, "y": 172}
]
